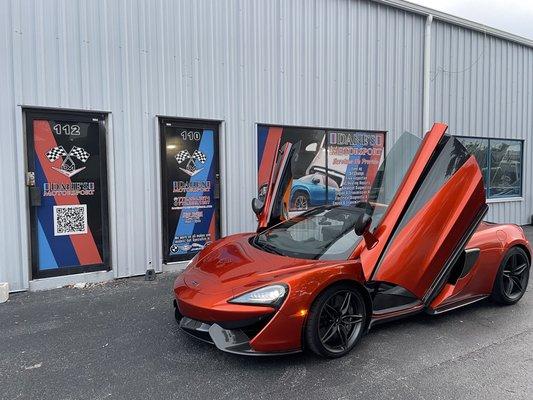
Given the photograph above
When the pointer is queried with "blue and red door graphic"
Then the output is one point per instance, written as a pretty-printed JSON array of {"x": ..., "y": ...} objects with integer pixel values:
[
  {"x": 191, "y": 187},
  {"x": 68, "y": 193}
]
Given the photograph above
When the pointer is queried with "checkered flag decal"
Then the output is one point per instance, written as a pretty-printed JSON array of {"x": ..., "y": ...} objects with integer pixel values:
[
  {"x": 198, "y": 155},
  {"x": 182, "y": 156},
  {"x": 79, "y": 153},
  {"x": 55, "y": 152}
]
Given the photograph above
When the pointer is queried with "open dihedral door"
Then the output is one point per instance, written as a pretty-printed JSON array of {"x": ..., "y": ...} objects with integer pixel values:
[
  {"x": 274, "y": 207},
  {"x": 435, "y": 211}
]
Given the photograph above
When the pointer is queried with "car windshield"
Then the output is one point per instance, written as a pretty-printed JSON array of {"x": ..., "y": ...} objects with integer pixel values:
[{"x": 327, "y": 232}]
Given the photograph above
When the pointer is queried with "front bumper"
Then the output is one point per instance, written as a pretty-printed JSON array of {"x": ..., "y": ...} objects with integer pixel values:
[
  {"x": 269, "y": 330},
  {"x": 235, "y": 341}
]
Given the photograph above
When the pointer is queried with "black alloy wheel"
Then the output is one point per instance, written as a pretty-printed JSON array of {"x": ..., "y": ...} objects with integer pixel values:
[
  {"x": 336, "y": 321},
  {"x": 512, "y": 278}
]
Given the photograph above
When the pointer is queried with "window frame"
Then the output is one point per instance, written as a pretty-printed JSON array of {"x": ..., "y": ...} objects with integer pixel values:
[{"x": 490, "y": 198}]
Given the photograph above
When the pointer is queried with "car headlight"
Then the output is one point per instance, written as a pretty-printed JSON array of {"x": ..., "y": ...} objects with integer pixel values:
[{"x": 272, "y": 295}]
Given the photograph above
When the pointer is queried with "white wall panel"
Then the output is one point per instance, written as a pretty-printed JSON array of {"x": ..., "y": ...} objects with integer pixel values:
[
  {"x": 327, "y": 63},
  {"x": 483, "y": 86}
]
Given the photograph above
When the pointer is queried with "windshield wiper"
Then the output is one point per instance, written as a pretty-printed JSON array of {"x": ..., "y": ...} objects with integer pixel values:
[{"x": 268, "y": 247}]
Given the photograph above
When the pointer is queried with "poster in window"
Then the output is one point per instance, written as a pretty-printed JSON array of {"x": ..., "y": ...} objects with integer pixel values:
[
  {"x": 333, "y": 166},
  {"x": 69, "y": 225},
  {"x": 190, "y": 190}
]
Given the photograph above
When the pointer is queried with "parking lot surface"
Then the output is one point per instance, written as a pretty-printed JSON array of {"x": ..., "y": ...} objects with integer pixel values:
[{"x": 120, "y": 340}]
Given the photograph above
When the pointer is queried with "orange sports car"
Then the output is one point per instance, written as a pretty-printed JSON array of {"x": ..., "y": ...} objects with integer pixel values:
[{"x": 318, "y": 281}]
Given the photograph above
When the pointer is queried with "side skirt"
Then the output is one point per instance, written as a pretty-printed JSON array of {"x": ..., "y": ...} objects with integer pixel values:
[
  {"x": 379, "y": 318},
  {"x": 454, "y": 306}
]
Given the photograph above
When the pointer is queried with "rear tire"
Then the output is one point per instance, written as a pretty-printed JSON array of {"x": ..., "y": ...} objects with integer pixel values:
[
  {"x": 512, "y": 278},
  {"x": 336, "y": 321}
]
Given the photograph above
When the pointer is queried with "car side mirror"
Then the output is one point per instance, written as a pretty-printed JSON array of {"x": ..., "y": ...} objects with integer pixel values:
[
  {"x": 362, "y": 228},
  {"x": 315, "y": 180},
  {"x": 257, "y": 206}
]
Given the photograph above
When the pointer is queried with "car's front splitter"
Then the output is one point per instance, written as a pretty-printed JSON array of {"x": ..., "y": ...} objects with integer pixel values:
[{"x": 229, "y": 340}]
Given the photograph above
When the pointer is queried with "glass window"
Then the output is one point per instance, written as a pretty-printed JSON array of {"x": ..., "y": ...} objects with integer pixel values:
[
  {"x": 505, "y": 168},
  {"x": 500, "y": 161},
  {"x": 480, "y": 149},
  {"x": 451, "y": 155},
  {"x": 327, "y": 232}
]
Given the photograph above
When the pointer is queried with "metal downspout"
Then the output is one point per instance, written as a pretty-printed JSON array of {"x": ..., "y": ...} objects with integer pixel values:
[{"x": 427, "y": 68}]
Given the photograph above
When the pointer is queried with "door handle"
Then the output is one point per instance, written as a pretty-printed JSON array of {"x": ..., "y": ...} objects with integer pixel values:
[
  {"x": 216, "y": 195},
  {"x": 35, "y": 196}
]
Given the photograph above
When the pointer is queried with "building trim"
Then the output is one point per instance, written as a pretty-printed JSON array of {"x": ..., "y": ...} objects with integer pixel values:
[
  {"x": 452, "y": 19},
  {"x": 504, "y": 199}
]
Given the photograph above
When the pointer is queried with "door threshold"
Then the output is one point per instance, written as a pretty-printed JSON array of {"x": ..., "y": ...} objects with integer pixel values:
[{"x": 55, "y": 282}]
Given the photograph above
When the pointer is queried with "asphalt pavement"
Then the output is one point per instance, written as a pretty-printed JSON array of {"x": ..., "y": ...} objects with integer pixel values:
[{"x": 120, "y": 340}]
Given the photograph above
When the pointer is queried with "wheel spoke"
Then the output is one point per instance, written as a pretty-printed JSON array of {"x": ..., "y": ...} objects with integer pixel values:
[
  {"x": 508, "y": 286},
  {"x": 331, "y": 310},
  {"x": 329, "y": 333},
  {"x": 519, "y": 270},
  {"x": 351, "y": 319},
  {"x": 517, "y": 282},
  {"x": 343, "y": 335},
  {"x": 346, "y": 303},
  {"x": 513, "y": 262}
]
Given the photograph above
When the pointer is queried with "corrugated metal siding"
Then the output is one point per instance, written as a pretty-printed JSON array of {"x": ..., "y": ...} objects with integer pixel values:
[
  {"x": 335, "y": 63},
  {"x": 345, "y": 64},
  {"x": 483, "y": 86}
]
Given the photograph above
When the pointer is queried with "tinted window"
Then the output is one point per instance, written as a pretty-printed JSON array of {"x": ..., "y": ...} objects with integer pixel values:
[
  {"x": 391, "y": 173},
  {"x": 479, "y": 148},
  {"x": 505, "y": 168},
  {"x": 500, "y": 161},
  {"x": 449, "y": 156}
]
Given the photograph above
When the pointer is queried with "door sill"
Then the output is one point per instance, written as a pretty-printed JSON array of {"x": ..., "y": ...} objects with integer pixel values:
[
  {"x": 397, "y": 313},
  {"x": 455, "y": 305},
  {"x": 55, "y": 282}
]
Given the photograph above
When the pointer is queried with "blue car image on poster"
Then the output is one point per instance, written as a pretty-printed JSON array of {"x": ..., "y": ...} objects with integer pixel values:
[{"x": 313, "y": 190}]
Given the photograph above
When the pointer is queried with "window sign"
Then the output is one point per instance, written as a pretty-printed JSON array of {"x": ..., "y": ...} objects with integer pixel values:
[
  {"x": 68, "y": 193},
  {"x": 356, "y": 157},
  {"x": 310, "y": 187},
  {"x": 333, "y": 166},
  {"x": 191, "y": 191}
]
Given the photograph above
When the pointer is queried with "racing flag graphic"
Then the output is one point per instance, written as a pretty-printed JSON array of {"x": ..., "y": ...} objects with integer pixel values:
[
  {"x": 190, "y": 168},
  {"x": 68, "y": 166},
  {"x": 79, "y": 153},
  {"x": 198, "y": 155},
  {"x": 55, "y": 152}
]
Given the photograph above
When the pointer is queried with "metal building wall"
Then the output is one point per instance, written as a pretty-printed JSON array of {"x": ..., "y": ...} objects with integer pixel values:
[
  {"x": 325, "y": 63},
  {"x": 343, "y": 64},
  {"x": 483, "y": 86}
]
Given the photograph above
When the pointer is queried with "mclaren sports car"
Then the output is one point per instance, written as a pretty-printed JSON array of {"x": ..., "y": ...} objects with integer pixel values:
[{"x": 320, "y": 280}]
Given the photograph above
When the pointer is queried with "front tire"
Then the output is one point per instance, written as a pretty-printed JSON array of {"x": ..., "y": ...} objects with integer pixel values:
[
  {"x": 300, "y": 201},
  {"x": 512, "y": 278},
  {"x": 336, "y": 321}
]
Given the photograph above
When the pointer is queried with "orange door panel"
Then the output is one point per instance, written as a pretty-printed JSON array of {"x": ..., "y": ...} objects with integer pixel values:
[{"x": 421, "y": 246}]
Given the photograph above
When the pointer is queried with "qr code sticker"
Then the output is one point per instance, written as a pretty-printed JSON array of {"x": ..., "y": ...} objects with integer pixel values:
[{"x": 70, "y": 220}]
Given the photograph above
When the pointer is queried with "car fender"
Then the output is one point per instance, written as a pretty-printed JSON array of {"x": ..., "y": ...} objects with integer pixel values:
[
  {"x": 301, "y": 188},
  {"x": 304, "y": 287}
]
